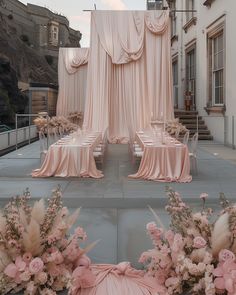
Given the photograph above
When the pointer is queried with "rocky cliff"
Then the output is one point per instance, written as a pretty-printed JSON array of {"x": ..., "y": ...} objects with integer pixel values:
[
  {"x": 11, "y": 99},
  {"x": 18, "y": 61},
  {"x": 25, "y": 60}
]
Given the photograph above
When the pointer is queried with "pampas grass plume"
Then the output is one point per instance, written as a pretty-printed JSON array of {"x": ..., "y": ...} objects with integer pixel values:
[
  {"x": 221, "y": 235},
  {"x": 38, "y": 211},
  {"x": 2, "y": 224},
  {"x": 32, "y": 238}
]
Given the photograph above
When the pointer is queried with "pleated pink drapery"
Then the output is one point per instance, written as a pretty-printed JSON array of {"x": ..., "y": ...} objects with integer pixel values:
[
  {"x": 129, "y": 72},
  {"x": 72, "y": 78}
]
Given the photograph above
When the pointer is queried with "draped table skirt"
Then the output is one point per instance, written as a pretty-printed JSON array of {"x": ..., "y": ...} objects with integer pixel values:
[
  {"x": 69, "y": 160},
  {"x": 164, "y": 162}
]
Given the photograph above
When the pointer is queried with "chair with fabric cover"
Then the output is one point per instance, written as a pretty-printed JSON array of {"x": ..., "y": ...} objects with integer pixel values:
[
  {"x": 43, "y": 146},
  {"x": 193, "y": 152},
  {"x": 177, "y": 133},
  {"x": 136, "y": 151},
  {"x": 186, "y": 138}
]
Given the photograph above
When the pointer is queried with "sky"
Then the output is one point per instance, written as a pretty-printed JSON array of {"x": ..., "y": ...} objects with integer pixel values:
[{"x": 80, "y": 20}]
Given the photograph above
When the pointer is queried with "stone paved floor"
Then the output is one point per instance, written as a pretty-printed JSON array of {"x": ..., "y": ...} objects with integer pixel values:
[{"x": 115, "y": 207}]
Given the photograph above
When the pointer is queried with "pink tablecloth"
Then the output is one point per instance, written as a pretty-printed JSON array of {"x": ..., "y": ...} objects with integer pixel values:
[
  {"x": 72, "y": 159},
  {"x": 167, "y": 162},
  {"x": 118, "y": 279}
]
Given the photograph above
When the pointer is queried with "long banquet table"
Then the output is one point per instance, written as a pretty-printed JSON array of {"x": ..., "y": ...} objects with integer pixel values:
[
  {"x": 71, "y": 156},
  {"x": 163, "y": 160}
]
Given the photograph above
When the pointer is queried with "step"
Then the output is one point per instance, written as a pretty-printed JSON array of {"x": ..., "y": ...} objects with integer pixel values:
[
  {"x": 200, "y": 131},
  {"x": 194, "y": 126},
  {"x": 179, "y": 112},
  {"x": 189, "y": 117},
  {"x": 185, "y": 122}
]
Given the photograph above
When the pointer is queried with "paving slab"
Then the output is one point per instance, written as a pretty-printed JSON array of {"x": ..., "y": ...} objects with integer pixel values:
[{"x": 114, "y": 208}]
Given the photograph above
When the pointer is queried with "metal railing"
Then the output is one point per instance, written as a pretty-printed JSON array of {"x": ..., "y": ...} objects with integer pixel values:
[{"x": 29, "y": 116}]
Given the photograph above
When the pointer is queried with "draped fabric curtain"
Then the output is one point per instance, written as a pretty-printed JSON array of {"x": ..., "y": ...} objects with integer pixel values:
[
  {"x": 129, "y": 72},
  {"x": 72, "y": 78}
]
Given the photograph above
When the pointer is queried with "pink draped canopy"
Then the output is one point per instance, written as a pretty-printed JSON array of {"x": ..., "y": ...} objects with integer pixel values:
[
  {"x": 72, "y": 76},
  {"x": 129, "y": 80}
]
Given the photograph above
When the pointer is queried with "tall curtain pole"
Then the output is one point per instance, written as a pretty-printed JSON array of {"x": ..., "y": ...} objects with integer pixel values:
[{"x": 164, "y": 8}]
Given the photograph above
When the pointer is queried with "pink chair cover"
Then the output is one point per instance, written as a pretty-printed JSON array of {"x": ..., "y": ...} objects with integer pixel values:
[{"x": 119, "y": 279}]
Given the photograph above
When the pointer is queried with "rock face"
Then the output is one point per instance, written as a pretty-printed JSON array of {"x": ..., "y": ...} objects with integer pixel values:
[
  {"x": 26, "y": 61},
  {"x": 11, "y": 99}
]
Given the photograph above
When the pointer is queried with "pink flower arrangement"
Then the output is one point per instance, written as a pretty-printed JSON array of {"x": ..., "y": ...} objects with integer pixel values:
[
  {"x": 194, "y": 256},
  {"x": 38, "y": 255}
]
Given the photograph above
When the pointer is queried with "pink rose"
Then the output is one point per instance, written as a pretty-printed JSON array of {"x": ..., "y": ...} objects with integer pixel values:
[
  {"x": 151, "y": 226},
  {"x": 172, "y": 281},
  {"x": 225, "y": 255},
  {"x": 83, "y": 261},
  {"x": 204, "y": 196},
  {"x": 20, "y": 264},
  {"x": 169, "y": 235},
  {"x": 30, "y": 289},
  {"x": 25, "y": 276},
  {"x": 83, "y": 278},
  {"x": 199, "y": 242},
  {"x": 79, "y": 232},
  {"x": 36, "y": 265},
  {"x": 11, "y": 270},
  {"x": 41, "y": 278},
  {"x": 54, "y": 270}
]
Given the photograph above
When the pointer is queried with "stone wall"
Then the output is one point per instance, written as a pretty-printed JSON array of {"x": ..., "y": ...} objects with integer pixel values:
[{"x": 32, "y": 23}]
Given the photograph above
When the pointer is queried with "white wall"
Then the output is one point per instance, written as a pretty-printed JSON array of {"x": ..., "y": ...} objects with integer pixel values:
[{"x": 205, "y": 17}]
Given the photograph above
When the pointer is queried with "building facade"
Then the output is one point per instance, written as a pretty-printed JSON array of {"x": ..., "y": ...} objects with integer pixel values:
[
  {"x": 204, "y": 61},
  {"x": 39, "y": 27}
]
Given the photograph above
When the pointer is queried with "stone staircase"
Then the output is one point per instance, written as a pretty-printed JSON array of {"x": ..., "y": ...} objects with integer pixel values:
[{"x": 189, "y": 120}]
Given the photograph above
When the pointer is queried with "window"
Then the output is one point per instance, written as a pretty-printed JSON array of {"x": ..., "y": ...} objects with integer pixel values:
[
  {"x": 191, "y": 73},
  {"x": 218, "y": 69},
  {"x": 175, "y": 82},
  {"x": 154, "y": 4},
  {"x": 216, "y": 66},
  {"x": 189, "y": 7}
]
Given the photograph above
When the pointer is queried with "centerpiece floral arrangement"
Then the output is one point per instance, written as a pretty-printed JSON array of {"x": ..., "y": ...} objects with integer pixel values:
[
  {"x": 174, "y": 125},
  {"x": 58, "y": 124},
  {"x": 37, "y": 254},
  {"x": 196, "y": 255},
  {"x": 76, "y": 118}
]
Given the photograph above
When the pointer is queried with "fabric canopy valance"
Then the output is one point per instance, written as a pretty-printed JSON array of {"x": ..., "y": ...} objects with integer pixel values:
[
  {"x": 72, "y": 78},
  {"x": 129, "y": 72},
  {"x": 123, "y": 36}
]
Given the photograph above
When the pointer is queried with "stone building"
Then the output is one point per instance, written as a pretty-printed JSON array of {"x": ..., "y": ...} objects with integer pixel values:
[
  {"x": 39, "y": 27},
  {"x": 204, "y": 62}
]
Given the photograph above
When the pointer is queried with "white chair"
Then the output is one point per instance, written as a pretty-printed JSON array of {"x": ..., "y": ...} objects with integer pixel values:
[
  {"x": 177, "y": 133},
  {"x": 136, "y": 152},
  {"x": 186, "y": 138},
  {"x": 98, "y": 156},
  {"x": 43, "y": 146},
  {"x": 193, "y": 152}
]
